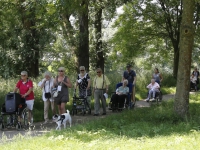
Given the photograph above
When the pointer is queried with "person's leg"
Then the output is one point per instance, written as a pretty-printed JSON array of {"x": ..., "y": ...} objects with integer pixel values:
[
  {"x": 154, "y": 93},
  {"x": 114, "y": 100},
  {"x": 62, "y": 108},
  {"x": 103, "y": 101},
  {"x": 59, "y": 109},
  {"x": 30, "y": 104},
  {"x": 46, "y": 109},
  {"x": 121, "y": 100},
  {"x": 133, "y": 93},
  {"x": 53, "y": 108},
  {"x": 96, "y": 102}
]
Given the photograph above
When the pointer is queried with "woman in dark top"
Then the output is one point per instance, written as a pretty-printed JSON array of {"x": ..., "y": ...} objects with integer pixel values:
[
  {"x": 62, "y": 83},
  {"x": 83, "y": 82}
]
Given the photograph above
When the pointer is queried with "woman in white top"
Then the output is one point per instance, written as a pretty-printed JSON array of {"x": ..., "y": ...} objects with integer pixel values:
[
  {"x": 153, "y": 88},
  {"x": 46, "y": 84}
]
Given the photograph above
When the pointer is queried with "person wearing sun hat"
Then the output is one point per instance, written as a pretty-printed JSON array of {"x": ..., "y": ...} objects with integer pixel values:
[
  {"x": 25, "y": 88},
  {"x": 62, "y": 83}
]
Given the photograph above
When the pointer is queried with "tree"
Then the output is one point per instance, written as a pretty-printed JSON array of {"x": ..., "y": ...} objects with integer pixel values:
[
  {"x": 181, "y": 104},
  {"x": 158, "y": 19}
]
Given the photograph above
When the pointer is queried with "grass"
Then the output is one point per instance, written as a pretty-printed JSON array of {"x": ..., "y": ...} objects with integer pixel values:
[{"x": 154, "y": 128}]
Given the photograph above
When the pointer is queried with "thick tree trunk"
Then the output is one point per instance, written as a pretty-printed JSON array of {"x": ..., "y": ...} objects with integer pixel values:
[
  {"x": 181, "y": 104},
  {"x": 98, "y": 33},
  {"x": 83, "y": 49}
]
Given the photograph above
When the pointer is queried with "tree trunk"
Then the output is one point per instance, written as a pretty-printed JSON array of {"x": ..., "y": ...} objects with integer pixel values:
[
  {"x": 98, "y": 33},
  {"x": 181, "y": 104},
  {"x": 83, "y": 49},
  {"x": 31, "y": 56}
]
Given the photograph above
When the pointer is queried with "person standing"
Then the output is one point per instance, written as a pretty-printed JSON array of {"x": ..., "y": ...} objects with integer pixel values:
[
  {"x": 83, "y": 82},
  {"x": 100, "y": 87},
  {"x": 157, "y": 76},
  {"x": 62, "y": 83},
  {"x": 25, "y": 88},
  {"x": 46, "y": 85},
  {"x": 130, "y": 75}
]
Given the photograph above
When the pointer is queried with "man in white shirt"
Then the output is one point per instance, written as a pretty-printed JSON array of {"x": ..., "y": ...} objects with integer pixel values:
[{"x": 153, "y": 88}]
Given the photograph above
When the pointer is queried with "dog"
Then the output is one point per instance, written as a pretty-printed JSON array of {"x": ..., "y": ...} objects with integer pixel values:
[{"x": 62, "y": 119}]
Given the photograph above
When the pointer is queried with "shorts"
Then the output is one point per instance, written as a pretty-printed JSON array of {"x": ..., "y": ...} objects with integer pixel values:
[
  {"x": 61, "y": 99},
  {"x": 30, "y": 104}
]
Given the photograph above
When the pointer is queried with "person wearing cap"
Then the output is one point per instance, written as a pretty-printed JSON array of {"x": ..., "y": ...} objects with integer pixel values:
[
  {"x": 62, "y": 83},
  {"x": 83, "y": 82},
  {"x": 100, "y": 87},
  {"x": 130, "y": 75},
  {"x": 25, "y": 88},
  {"x": 46, "y": 85}
]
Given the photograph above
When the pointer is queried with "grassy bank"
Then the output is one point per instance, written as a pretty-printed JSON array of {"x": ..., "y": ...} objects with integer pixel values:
[{"x": 155, "y": 128}]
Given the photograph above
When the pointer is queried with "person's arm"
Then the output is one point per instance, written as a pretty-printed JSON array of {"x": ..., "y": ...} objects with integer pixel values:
[
  {"x": 68, "y": 83},
  {"x": 161, "y": 77},
  {"x": 89, "y": 84},
  {"x": 134, "y": 81},
  {"x": 28, "y": 92},
  {"x": 16, "y": 89},
  {"x": 43, "y": 83}
]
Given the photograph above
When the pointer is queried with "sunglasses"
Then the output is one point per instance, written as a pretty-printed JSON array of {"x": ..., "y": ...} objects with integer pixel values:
[
  {"x": 60, "y": 71},
  {"x": 23, "y": 75},
  {"x": 82, "y": 70},
  {"x": 99, "y": 72}
]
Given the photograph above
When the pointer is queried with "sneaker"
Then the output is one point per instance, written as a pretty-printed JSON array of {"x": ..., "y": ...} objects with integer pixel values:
[
  {"x": 147, "y": 100},
  {"x": 152, "y": 100}
]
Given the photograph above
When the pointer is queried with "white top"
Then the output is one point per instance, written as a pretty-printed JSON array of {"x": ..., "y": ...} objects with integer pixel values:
[
  {"x": 153, "y": 86},
  {"x": 47, "y": 88},
  {"x": 193, "y": 79}
]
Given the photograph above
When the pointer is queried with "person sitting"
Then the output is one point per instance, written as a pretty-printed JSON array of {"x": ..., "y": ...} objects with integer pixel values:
[
  {"x": 118, "y": 98},
  {"x": 153, "y": 88},
  {"x": 193, "y": 82}
]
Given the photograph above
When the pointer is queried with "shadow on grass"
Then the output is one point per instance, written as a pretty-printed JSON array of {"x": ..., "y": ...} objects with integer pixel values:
[{"x": 158, "y": 120}]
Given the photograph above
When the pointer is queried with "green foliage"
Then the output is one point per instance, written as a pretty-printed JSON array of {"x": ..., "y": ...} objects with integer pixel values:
[{"x": 156, "y": 128}]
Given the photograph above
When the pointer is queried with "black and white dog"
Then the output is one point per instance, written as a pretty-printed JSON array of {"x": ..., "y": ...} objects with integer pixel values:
[{"x": 62, "y": 119}]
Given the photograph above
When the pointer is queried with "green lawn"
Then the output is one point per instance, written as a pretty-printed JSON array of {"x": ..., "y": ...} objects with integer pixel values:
[{"x": 154, "y": 128}]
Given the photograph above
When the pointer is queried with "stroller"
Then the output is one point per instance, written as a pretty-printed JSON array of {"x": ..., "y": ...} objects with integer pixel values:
[
  {"x": 128, "y": 101},
  {"x": 80, "y": 104},
  {"x": 15, "y": 109}
]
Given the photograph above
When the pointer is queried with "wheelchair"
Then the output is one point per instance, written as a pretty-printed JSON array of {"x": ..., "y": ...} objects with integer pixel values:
[
  {"x": 158, "y": 96},
  {"x": 193, "y": 86},
  {"x": 128, "y": 104},
  {"x": 14, "y": 112}
]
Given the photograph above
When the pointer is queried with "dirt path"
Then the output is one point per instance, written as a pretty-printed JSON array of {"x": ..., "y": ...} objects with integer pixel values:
[{"x": 39, "y": 128}]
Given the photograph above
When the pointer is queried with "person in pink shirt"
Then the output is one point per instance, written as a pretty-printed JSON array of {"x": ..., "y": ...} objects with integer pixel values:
[
  {"x": 25, "y": 88},
  {"x": 153, "y": 88}
]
